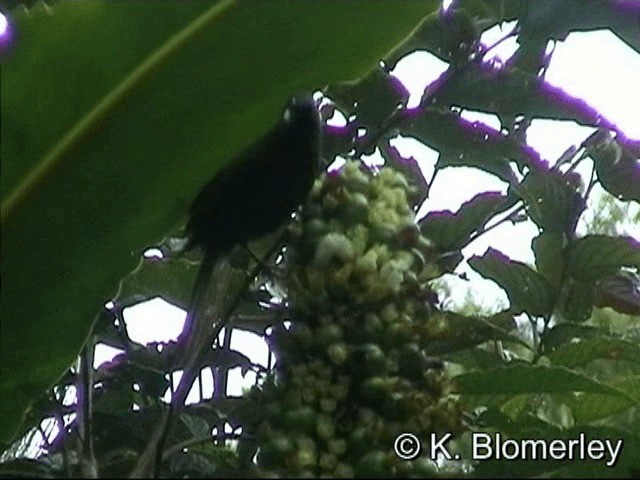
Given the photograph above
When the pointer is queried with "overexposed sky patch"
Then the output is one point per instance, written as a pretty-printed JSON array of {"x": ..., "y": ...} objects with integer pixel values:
[
  {"x": 103, "y": 353},
  {"x": 505, "y": 45},
  {"x": 416, "y": 71},
  {"x": 604, "y": 71},
  {"x": 155, "y": 320},
  {"x": 250, "y": 344},
  {"x": 4, "y": 25},
  {"x": 551, "y": 138}
]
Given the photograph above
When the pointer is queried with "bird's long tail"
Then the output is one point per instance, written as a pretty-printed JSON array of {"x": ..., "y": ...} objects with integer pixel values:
[{"x": 198, "y": 332}]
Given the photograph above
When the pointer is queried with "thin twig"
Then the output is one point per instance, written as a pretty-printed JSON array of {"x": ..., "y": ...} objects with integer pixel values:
[
  {"x": 84, "y": 389},
  {"x": 534, "y": 329},
  {"x": 507, "y": 218}
]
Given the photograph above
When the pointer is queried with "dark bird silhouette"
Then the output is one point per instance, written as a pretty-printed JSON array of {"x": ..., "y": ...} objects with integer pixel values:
[
  {"x": 251, "y": 197},
  {"x": 258, "y": 191}
]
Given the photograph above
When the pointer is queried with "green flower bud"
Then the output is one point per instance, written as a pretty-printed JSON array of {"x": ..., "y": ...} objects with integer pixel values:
[
  {"x": 304, "y": 458},
  {"x": 333, "y": 246},
  {"x": 359, "y": 236},
  {"x": 424, "y": 468},
  {"x": 360, "y": 441},
  {"x": 373, "y": 464},
  {"x": 317, "y": 189},
  {"x": 375, "y": 390},
  {"x": 389, "y": 313},
  {"x": 280, "y": 444},
  {"x": 396, "y": 199},
  {"x": 340, "y": 279},
  {"x": 393, "y": 178},
  {"x": 309, "y": 396},
  {"x": 300, "y": 419},
  {"x": 367, "y": 264},
  {"x": 374, "y": 358},
  {"x": 328, "y": 405},
  {"x": 356, "y": 208},
  {"x": 398, "y": 333},
  {"x": 392, "y": 275},
  {"x": 328, "y": 334},
  {"x": 372, "y": 327},
  {"x": 316, "y": 227},
  {"x": 355, "y": 180},
  {"x": 404, "y": 468},
  {"x": 383, "y": 231},
  {"x": 330, "y": 204},
  {"x": 343, "y": 470},
  {"x": 325, "y": 427},
  {"x": 339, "y": 391},
  {"x": 321, "y": 368},
  {"x": 327, "y": 462},
  {"x": 338, "y": 447},
  {"x": 338, "y": 353}
]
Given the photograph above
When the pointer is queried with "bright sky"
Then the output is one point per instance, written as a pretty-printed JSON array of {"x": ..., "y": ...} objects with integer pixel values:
[{"x": 3, "y": 24}]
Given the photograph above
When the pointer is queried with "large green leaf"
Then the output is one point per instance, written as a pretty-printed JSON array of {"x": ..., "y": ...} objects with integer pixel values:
[
  {"x": 528, "y": 291},
  {"x": 453, "y": 231},
  {"x": 530, "y": 379},
  {"x": 618, "y": 167},
  {"x": 547, "y": 248},
  {"x": 563, "y": 333},
  {"x": 113, "y": 116},
  {"x": 620, "y": 292},
  {"x": 512, "y": 92},
  {"x": 594, "y": 257},
  {"x": 576, "y": 300},
  {"x": 580, "y": 353},
  {"x": 592, "y": 406},
  {"x": 464, "y": 332},
  {"x": 553, "y": 201},
  {"x": 464, "y": 143}
]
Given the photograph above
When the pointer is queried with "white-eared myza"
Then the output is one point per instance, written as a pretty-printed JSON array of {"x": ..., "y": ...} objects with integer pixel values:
[
  {"x": 252, "y": 196},
  {"x": 259, "y": 190}
]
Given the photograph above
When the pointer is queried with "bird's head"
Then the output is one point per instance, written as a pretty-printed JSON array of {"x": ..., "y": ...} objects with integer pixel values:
[{"x": 302, "y": 110}]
